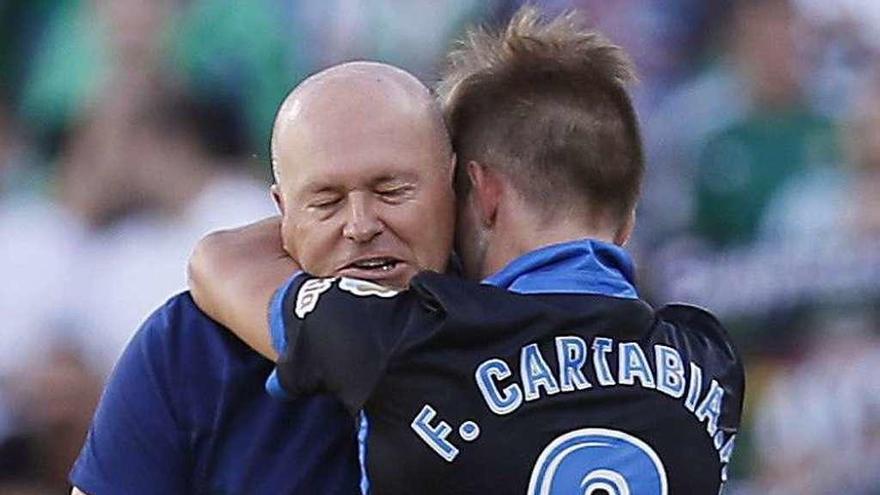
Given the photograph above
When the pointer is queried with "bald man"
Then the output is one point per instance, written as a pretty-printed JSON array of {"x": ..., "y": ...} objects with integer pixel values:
[{"x": 363, "y": 168}]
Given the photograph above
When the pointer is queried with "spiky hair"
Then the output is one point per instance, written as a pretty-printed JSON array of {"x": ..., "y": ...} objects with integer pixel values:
[{"x": 545, "y": 99}]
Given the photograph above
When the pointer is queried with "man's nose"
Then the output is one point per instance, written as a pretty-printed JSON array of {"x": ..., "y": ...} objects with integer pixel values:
[{"x": 363, "y": 223}]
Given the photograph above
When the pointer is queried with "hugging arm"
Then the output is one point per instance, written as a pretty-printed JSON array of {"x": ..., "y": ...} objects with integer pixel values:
[
  {"x": 233, "y": 275},
  {"x": 328, "y": 335},
  {"x": 340, "y": 335}
]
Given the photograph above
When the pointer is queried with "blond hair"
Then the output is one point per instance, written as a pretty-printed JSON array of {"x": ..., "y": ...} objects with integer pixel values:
[{"x": 545, "y": 100}]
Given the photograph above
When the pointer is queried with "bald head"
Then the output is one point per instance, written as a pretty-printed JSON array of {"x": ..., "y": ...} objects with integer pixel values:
[
  {"x": 363, "y": 170},
  {"x": 348, "y": 96}
]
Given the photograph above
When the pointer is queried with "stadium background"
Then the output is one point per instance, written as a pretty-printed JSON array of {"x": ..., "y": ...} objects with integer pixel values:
[{"x": 130, "y": 128}]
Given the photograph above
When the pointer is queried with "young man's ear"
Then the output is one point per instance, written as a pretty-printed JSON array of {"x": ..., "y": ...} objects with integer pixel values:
[
  {"x": 625, "y": 231},
  {"x": 485, "y": 191},
  {"x": 277, "y": 198}
]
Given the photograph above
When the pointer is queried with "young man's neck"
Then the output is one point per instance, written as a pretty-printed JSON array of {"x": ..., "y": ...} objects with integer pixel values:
[{"x": 515, "y": 237}]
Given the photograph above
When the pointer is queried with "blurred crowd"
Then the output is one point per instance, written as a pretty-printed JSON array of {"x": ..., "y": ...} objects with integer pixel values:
[{"x": 128, "y": 129}]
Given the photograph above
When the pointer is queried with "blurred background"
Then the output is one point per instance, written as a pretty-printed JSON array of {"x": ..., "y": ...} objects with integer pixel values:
[{"x": 129, "y": 128}]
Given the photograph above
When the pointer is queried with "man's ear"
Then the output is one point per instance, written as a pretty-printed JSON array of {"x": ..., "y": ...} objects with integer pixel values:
[
  {"x": 485, "y": 191},
  {"x": 621, "y": 237},
  {"x": 277, "y": 198}
]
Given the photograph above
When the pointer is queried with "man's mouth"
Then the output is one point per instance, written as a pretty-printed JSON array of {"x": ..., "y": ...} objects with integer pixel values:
[
  {"x": 378, "y": 265},
  {"x": 385, "y": 270}
]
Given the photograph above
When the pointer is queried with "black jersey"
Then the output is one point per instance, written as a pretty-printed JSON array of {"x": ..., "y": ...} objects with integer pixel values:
[{"x": 470, "y": 388}]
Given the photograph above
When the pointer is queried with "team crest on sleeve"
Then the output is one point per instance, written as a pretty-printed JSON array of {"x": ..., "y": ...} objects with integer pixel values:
[
  {"x": 365, "y": 288},
  {"x": 598, "y": 460},
  {"x": 309, "y": 292}
]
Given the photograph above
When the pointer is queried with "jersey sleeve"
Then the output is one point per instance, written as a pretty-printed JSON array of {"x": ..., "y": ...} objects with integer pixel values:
[
  {"x": 339, "y": 335},
  {"x": 135, "y": 444}
]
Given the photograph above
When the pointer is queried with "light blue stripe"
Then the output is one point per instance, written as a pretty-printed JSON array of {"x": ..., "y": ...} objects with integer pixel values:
[
  {"x": 363, "y": 431},
  {"x": 273, "y": 386},
  {"x": 276, "y": 315}
]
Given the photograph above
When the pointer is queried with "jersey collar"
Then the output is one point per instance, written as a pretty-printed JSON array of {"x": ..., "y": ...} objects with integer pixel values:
[{"x": 578, "y": 267}]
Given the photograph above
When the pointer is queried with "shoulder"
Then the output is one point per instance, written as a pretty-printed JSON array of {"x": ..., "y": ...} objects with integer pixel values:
[
  {"x": 179, "y": 329},
  {"x": 698, "y": 322},
  {"x": 168, "y": 337},
  {"x": 185, "y": 356},
  {"x": 694, "y": 316},
  {"x": 704, "y": 336},
  {"x": 178, "y": 310}
]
